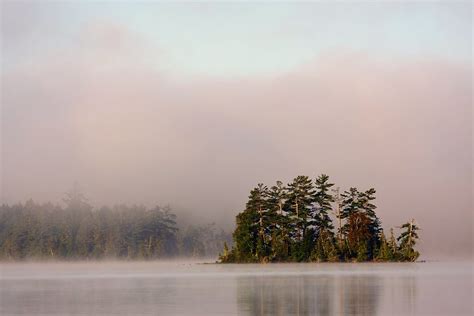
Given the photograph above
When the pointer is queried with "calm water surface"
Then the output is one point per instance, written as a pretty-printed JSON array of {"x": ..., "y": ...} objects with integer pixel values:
[{"x": 177, "y": 288}]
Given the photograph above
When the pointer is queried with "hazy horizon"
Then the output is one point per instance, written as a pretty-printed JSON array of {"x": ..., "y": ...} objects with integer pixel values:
[{"x": 193, "y": 104}]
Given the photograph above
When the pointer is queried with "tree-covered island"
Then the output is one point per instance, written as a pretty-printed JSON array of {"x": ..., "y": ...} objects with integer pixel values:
[{"x": 294, "y": 223}]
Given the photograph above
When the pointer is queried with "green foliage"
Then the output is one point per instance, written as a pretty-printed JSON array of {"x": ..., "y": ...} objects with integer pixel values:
[
  {"x": 392, "y": 244},
  {"x": 385, "y": 251},
  {"x": 226, "y": 256},
  {"x": 280, "y": 246},
  {"x": 294, "y": 223},
  {"x": 47, "y": 231},
  {"x": 357, "y": 232},
  {"x": 407, "y": 241},
  {"x": 299, "y": 206},
  {"x": 362, "y": 252},
  {"x": 362, "y": 222},
  {"x": 323, "y": 202},
  {"x": 245, "y": 236},
  {"x": 301, "y": 249},
  {"x": 325, "y": 248}
]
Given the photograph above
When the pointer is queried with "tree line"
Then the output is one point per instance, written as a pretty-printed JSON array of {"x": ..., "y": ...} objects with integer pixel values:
[
  {"x": 78, "y": 231},
  {"x": 294, "y": 223}
]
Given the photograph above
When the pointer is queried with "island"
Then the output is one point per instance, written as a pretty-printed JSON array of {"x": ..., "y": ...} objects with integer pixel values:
[{"x": 294, "y": 223}]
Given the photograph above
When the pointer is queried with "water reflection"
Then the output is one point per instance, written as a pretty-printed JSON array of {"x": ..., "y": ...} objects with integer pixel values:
[
  {"x": 85, "y": 296},
  {"x": 360, "y": 294},
  {"x": 408, "y": 289},
  {"x": 151, "y": 289},
  {"x": 309, "y": 295}
]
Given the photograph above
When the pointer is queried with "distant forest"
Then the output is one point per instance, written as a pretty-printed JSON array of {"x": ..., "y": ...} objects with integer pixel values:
[
  {"x": 294, "y": 223},
  {"x": 78, "y": 231}
]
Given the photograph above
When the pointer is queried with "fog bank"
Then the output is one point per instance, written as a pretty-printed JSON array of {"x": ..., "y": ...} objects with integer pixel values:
[{"x": 104, "y": 110}]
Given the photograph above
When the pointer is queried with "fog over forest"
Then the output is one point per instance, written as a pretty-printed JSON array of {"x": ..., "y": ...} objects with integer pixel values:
[{"x": 105, "y": 100}]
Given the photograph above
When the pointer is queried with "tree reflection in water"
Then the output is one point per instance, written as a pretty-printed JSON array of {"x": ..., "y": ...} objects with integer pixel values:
[
  {"x": 360, "y": 294},
  {"x": 309, "y": 295}
]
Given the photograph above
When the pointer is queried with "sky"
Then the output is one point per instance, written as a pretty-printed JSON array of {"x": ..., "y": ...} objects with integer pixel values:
[{"x": 194, "y": 103}]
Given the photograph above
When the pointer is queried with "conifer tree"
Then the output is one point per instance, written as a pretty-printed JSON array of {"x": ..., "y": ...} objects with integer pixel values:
[
  {"x": 300, "y": 197},
  {"x": 407, "y": 241},
  {"x": 350, "y": 206},
  {"x": 226, "y": 256},
  {"x": 251, "y": 225},
  {"x": 245, "y": 236},
  {"x": 356, "y": 202},
  {"x": 323, "y": 201},
  {"x": 276, "y": 198},
  {"x": 299, "y": 205},
  {"x": 324, "y": 248},
  {"x": 275, "y": 201},
  {"x": 362, "y": 252},
  {"x": 258, "y": 200},
  {"x": 278, "y": 227},
  {"x": 385, "y": 252},
  {"x": 392, "y": 243},
  {"x": 366, "y": 205},
  {"x": 358, "y": 235}
]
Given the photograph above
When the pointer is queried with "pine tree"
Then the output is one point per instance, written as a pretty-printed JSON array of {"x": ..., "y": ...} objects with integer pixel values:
[
  {"x": 356, "y": 202},
  {"x": 392, "y": 243},
  {"x": 226, "y": 256},
  {"x": 275, "y": 215},
  {"x": 407, "y": 241},
  {"x": 276, "y": 198},
  {"x": 245, "y": 236},
  {"x": 300, "y": 197},
  {"x": 350, "y": 203},
  {"x": 325, "y": 249},
  {"x": 385, "y": 252},
  {"x": 250, "y": 241},
  {"x": 258, "y": 202},
  {"x": 349, "y": 208},
  {"x": 323, "y": 203},
  {"x": 366, "y": 205},
  {"x": 325, "y": 243},
  {"x": 299, "y": 205},
  {"x": 280, "y": 245},
  {"x": 278, "y": 226}
]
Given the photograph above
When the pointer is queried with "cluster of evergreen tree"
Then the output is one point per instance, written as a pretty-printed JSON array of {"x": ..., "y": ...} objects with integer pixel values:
[
  {"x": 294, "y": 223},
  {"x": 77, "y": 231}
]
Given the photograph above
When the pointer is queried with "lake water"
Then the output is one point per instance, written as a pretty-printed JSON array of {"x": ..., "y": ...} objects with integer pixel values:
[{"x": 183, "y": 288}]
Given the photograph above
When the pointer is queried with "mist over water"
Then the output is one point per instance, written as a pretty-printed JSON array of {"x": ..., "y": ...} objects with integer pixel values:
[{"x": 185, "y": 288}]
